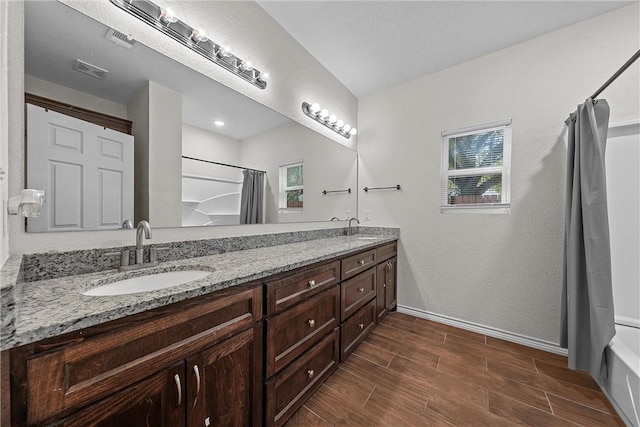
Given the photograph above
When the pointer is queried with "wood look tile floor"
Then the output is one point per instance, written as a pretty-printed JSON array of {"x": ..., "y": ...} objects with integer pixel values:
[{"x": 415, "y": 372}]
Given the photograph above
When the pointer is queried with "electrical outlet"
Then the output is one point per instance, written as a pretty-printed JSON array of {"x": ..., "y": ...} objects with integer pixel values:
[{"x": 367, "y": 215}]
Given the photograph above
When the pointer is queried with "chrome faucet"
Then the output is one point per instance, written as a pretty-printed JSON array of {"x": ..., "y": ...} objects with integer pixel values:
[
  {"x": 143, "y": 227},
  {"x": 350, "y": 230},
  {"x": 143, "y": 231}
]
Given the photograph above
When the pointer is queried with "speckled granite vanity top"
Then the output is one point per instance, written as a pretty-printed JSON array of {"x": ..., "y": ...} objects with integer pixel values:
[{"x": 45, "y": 308}]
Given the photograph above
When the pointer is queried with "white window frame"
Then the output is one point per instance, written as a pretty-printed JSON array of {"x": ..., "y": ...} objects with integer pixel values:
[
  {"x": 504, "y": 207},
  {"x": 282, "y": 204}
]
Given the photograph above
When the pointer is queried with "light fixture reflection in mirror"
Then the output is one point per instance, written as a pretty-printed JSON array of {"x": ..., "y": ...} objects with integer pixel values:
[
  {"x": 253, "y": 136},
  {"x": 165, "y": 20}
]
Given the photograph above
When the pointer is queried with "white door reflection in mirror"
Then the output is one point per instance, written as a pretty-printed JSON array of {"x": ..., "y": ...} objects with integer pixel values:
[{"x": 86, "y": 169}]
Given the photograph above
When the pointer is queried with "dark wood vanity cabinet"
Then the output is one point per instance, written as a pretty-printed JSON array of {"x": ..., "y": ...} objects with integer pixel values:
[
  {"x": 190, "y": 363},
  {"x": 213, "y": 360}
]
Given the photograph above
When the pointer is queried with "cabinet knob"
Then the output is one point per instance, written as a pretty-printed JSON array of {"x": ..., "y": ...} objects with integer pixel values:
[
  {"x": 360, "y": 289},
  {"x": 312, "y": 323},
  {"x": 361, "y": 262},
  {"x": 361, "y": 325},
  {"x": 384, "y": 285},
  {"x": 312, "y": 283},
  {"x": 311, "y": 373}
]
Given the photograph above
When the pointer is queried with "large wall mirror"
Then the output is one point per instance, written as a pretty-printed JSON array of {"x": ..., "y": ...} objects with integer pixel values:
[{"x": 193, "y": 147}]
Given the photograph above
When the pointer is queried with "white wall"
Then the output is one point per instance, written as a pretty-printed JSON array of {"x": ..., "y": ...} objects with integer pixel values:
[
  {"x": 165, "y": 161},
  {"x": 502, "y": 271},
  {"x": 4, "y": 131},
  {"x": 296, "y": 76},
  {"x": 74, "y": 97},
  {"x": 206, "y": 145},
  {"x": 327, "y": 166}
]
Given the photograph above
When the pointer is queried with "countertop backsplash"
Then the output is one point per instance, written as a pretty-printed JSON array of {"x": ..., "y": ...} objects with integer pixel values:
[
  {"x": 42, "y": 293},
  {"x": 52, "y": 265}
]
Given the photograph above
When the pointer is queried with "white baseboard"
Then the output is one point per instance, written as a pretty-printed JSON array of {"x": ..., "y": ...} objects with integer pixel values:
[{"x": 485, "y": 330}]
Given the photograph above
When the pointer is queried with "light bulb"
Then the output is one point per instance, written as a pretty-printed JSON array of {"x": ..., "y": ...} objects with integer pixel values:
[
  {"x": 262, "y": 77},
  {"x": 246, "y": 66},
  {"x": 332, "y": 119},
  {"x": 224, "y": 51},
  {"x": 218, "y": 122},
  {"x": 314, "y": 108},
  {"x": 198, "y": 36},
  {"x": 323, "y": 113},
  {"x": 346, "y": 128},
  {"x": 167, "y": 16},
  {"x": 353, "y": 131},
  {"x": 340, "y": 124}
]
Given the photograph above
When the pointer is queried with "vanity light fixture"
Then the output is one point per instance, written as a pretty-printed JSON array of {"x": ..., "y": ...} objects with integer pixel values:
[
  {"x": 218, "y": 122},
  {"x": 164, "y": 20},
  {"x": 29, "y": 203},
  {"x": 329, "y": 120}
]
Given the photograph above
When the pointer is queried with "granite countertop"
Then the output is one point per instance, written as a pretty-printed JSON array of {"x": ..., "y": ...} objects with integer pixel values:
[{"x": 46, "y": 308}]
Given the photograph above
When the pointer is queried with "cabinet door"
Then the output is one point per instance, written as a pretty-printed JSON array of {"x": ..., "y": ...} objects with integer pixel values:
[
  {"x": 382, "y": 276},
  {"x": 155, "y": 401},
  {"x": 224, "y": 383},
  {"x": 391, "y": 299}
]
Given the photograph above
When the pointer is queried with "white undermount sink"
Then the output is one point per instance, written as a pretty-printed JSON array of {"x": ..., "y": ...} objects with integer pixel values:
[{"x": 151, "y": 282}]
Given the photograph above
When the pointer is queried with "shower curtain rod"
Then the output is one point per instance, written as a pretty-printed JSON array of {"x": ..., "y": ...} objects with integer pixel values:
[
  {"x": 222, "y": 164},
  {"x": 616, "y": 74}
]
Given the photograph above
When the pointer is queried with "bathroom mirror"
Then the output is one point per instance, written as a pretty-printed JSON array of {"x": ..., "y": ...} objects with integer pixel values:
[{"x": 188, "y": 168}]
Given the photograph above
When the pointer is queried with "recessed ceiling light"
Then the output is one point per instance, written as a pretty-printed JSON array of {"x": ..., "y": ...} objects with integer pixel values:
[{"x": 218, "y": 122}]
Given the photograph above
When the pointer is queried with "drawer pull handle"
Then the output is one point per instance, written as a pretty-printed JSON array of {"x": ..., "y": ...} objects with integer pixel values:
[
  {"x": 311, "y": 373},
  {"x": 196, "y": 371},
  {"x": 361, "y": 325},
  {"x": 312, "y": 283},
  {"x": 360, "y": 289},
  {"x": 384, "y": 285},
  {"x": 176, "y": 378},
  {"x": 312, "y": 323},
  {"x": 361, "y": 262}
]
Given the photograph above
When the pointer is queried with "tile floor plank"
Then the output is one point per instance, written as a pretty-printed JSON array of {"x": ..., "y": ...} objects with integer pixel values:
[{"x": 581, "y": 414}]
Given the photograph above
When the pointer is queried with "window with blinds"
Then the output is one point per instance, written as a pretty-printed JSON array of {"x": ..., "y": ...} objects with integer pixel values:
[{"x": 476, "y": 169}]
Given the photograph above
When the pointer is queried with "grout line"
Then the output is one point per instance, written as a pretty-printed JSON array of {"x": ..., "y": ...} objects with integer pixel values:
[
  {"x": 391, "y": 360},
  {"x": 426, "y": 403},
  {"x": 535, "y": 365},
  {"x": 438, "y": 363},
  {"x": 369, "y": 397},
  {"x": 582, "y": 404},
  {"x": 317, "y": 415},
  {"x": 486, "y": 364},
  {"x": 549, "y": 402}
]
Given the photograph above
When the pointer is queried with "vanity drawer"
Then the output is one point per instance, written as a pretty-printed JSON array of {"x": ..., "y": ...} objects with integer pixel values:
[
  {"x": 356, "y": 329},
  {"x": 357, "y": 263},
  {"x": 387, "y": 251},
  {"x": 358, "y": 291},
  {"x": 287, "y": 392},
  {"x": 102, "y": 360},
  {"x": 286, "y": 292},
  {"x": 293, "y": 331}
]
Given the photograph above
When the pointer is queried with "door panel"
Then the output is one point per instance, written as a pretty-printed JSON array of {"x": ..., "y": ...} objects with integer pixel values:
[
  {"x": 156, "y": 401},
  {"x": 86, "y": 170},
  {"x": 224, "y": 383}
]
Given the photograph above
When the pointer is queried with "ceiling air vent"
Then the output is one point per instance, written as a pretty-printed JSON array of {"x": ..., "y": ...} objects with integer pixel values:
[
  {"x": 90, "y": 70},
  {"x": 119, "y": 38}
]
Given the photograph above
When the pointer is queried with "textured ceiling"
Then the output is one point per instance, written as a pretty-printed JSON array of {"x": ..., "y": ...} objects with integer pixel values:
[{"x": 372, "y": 45}]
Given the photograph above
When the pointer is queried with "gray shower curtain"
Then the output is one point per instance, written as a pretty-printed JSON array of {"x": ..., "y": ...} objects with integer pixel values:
[
  {"x": 587, "y": 295},
  {"x": 252, "y": 198}
]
